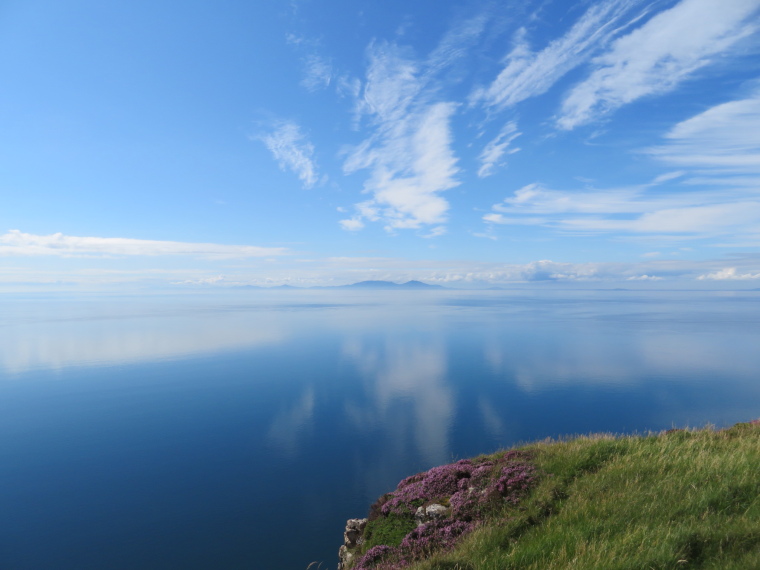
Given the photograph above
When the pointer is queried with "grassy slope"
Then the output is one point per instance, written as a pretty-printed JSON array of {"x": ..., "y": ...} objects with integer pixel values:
[{"x": 685, "y": 499}]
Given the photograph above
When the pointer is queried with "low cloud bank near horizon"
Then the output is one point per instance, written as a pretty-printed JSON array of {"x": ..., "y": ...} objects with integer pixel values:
[
  {"x": 17, "y": 243},
  {"x": 214, "y": 269}
]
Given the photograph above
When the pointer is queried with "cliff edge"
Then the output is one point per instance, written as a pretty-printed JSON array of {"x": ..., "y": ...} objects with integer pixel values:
[{"x": 685, "y": 498}]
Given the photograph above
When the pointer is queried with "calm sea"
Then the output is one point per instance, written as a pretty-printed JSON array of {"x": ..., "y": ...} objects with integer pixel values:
[{"x": 242, "y": 430}]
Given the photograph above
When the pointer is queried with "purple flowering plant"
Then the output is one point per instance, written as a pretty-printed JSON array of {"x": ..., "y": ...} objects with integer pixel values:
[
  {"x": 471, "y": 488},
  {"x": 418, "y": 544}
]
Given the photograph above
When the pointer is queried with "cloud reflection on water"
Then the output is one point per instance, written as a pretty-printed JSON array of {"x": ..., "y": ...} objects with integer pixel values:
[
  {"x": 290, "y": 425},
  {"x": 595, "y": 358},
  {"x": 406, "y": 393},
  {"x": 121, "y": 339}
]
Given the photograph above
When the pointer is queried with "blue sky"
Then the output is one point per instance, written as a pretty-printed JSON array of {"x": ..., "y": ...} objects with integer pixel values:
[{"x": 176, "y": 144}]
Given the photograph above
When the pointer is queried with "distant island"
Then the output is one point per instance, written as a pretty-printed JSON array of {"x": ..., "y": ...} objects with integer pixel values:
[
  {"x": 385, "y": 285},
  {"x": 390, "y": 285}
]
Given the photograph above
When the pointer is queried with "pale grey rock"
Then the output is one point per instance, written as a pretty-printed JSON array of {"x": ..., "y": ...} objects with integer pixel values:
[
  {"x": 436, "y": 511},
  {"x": 430, "y": 513},
  {"x": 352, "y": 537},
  {"x": 345, "y": 558},
  {"x": 353, "y": 532}
]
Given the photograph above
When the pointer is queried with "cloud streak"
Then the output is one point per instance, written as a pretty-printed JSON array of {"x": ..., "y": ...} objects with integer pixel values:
[
  {"x": 658, "y": 56},
  {"x": 722, "y": 140},
  {"x": 318, "y": 72},
  {"x": 719, "y": 145},
  {"x": 292, "y": 151},
  {"x": 728, "y": 274},
  {"x": 634, "y": 210},
  {"x": 491, "y": 156},
  {"x": 409, "y": 154},
  {"x": 528, "y": 73},
  {"x": 17, "y": 243}
]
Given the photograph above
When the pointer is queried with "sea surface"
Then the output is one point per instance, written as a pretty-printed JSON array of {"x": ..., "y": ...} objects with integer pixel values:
[{"x": 240, "y": 430}]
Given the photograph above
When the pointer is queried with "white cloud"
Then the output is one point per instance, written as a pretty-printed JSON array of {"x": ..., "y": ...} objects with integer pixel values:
[
  {"x": 352, "y": 224},
  {"x": 292, "y": 151},
  {"x": 201, "y": 281},
  {"x": 345, "y": 270},
  {"x": 527, "y": 73},
  {"x": 668, "y": 176},
  {"x": 392, "y": 83},
  {"x": 318, "y": 72},
  {"x": 728, "y": 274},
  {"x": 456, "y": 43},
  {"x": 514, "y": 220},
  {"x": 436, "y": 232},
  {"x": 295, "y": 40},
  {"x": 634, "y": 210},
  {"x": 697, "y": 220},
  {"x": 723, "y": 140},
  {"x": 464, "y": 273},
  {"x": 17, "y": 243},
  {"x": 537, "y": 199},
  {"x": 409, "y": 154},
  {"x": 348, "y": 86},
  {"x": 658, "y": 56},
  {"x": 721, "y": 143},
  {"x": 491, "y": 156}
]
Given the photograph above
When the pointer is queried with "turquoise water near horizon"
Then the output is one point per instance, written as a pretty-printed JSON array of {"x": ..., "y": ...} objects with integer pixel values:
[{"x": 241, "y": 430}]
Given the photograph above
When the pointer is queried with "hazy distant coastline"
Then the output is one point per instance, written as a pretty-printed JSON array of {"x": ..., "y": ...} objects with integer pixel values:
[{"x": 386, "y": 285}]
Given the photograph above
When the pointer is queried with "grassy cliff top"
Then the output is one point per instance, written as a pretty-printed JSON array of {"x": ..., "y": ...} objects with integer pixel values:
[{"x": 679, "y": 499}]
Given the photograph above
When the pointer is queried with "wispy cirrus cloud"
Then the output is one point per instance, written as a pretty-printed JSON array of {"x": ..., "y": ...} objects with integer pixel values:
[
  {"x": 629, "y": 48},
  {"x": 318, "y": 72},
  {"x": 292, "y": 151},
  {"x": 528, "y": 73},
  {"x": 658, "y": 56},
  {"x": 538, "y": 199},
  {"x": 17, "y": 243},
  {"x": 491, "y": 156},
  {"x": 456, "y": 43},
  {"x": 721, "y": 141},
  {"x": 719, "y": 152},
  {"x": 409, "y": 154},
  {"x": 690, "y": 221},
  {"x": 633, "y": 210},
  {"x": 409, "y": 151}
]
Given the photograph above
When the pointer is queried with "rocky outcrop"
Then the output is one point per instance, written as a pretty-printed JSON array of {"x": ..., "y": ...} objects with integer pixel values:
[
  {"x": 433, "y": 510},
  {"x": 430, "y": 513},
  {"x": 352, "y": 537}
]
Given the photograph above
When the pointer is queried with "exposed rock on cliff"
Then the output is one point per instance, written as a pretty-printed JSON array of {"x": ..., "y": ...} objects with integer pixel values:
[{"x": 352, "y": 537}]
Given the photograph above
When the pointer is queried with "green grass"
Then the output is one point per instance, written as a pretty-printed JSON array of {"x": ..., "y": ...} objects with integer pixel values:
[
  {"x": 682, "y": 500},
  {"x": 389, "y": 530}
]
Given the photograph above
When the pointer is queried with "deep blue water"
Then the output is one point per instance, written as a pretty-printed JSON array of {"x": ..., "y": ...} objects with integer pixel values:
[{"x": 242, "y": 430}]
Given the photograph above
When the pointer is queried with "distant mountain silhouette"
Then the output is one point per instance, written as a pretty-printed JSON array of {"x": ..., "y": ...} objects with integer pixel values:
[
  {"x": 360, "y": 285},
  {"x": 392, "y": 285}
]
